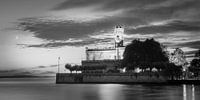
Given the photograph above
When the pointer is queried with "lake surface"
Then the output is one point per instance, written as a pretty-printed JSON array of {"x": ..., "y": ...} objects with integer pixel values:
[{"x": 46, "y": 89}]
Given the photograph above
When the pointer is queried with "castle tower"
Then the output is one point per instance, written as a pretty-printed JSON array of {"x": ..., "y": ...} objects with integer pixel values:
[{"x": 119, "y": 36}]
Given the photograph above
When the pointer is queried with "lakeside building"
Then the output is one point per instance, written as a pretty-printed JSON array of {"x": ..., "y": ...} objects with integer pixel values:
[
  {"x": 103, "y": 65},
  {"x": 108, "y": 57}
]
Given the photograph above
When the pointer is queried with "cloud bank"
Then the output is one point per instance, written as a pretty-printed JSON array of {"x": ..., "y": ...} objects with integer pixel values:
[{"x": 172, "y": 22}]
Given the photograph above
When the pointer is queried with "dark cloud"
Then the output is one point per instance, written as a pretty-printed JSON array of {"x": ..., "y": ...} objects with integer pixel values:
[
  {"x": 169, "y": 27},
  {"x": 128, "y": 4},
  {"x": 30, "y": 72},
  {"x": 194, "y": 44},
  {"x": 61, "y": 44},
  {"x": 166, "y": 10},
  {"x": 48, "y": 72},
  {"x": 7, "y": 71},
  {"x": 170, "y": 7},
  {"x": 106, "y": 4},
  {"x": 146, "y": 9},
  {"x": 41, "y": 66},
  {"x": 181, "y": 15},
  {"x": 24, "y": 73},
  {"x": 44, "y": 66},
  {"x": 15, "y": 72},
  {"x": 190, "y": 53},
  {"x": 53, "y": 65},
  {"x": 150, "y": 5},
  {"x": 56, "y": 30},
  {"x": 65, "y": 30},
  {"x": 76, "y": 4}
]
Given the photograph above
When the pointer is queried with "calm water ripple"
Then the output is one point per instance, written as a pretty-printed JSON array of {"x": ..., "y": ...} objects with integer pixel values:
[{"x": 46, "y": 89}]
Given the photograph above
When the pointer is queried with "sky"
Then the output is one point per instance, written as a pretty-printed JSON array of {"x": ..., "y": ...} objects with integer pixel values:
[{"x": 34, "y": 33}]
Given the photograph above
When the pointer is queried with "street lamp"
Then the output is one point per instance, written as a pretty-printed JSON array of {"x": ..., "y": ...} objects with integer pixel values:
[{"x": 58, "y": 64}]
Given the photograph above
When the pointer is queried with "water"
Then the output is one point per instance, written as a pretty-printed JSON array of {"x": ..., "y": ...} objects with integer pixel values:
[{"x": 46, "y": 89}]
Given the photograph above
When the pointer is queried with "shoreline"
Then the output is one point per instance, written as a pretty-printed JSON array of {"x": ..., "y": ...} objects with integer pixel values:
[
  {"x": 176, "y": 82},
  {"x": 66, "y": 78}
]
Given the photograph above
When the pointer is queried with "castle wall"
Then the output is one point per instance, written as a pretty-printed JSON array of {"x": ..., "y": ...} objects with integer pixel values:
[
  {"x": 108, "y": 78},
  {"x": 107, "y": 63},
  {"x": 105, "y": 54},
  {"x": 101, "y": 55}
]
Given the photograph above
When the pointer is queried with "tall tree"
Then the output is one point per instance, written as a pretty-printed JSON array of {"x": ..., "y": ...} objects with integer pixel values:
[
  {"x": 146, "y": 52},
  {"x": 195, "y": 64}
]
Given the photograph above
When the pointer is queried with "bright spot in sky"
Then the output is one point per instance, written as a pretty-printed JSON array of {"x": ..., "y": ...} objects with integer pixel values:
[{"x": 16, "y": 37}]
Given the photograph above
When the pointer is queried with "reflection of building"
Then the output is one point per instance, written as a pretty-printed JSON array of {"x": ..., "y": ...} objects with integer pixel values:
[{"x": 108, "y": 56}]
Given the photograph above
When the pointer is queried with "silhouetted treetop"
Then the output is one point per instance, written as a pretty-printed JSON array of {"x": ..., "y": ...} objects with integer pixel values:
[
  {"x": 148, "y": 51},
  {"x": 196, "y": 61},
  {"x": 195, "y": 64}
]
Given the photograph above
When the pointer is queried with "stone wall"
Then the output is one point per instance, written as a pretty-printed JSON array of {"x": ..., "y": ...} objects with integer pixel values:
[
  {"x": 108, "y": 78},
  {"x": 96, "y": 63},
  {"x": 105, "y": 54}
]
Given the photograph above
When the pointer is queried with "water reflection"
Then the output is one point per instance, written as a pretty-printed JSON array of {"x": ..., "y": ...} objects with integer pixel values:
[
  {"x": 111, "y": 92},
  {"x": 51, "y": 91},
  {"x": 193, "y": 92},
  {"x": 184, "y": 92},
  {"x": 188, "y": 92},
  {"x": 140, "y": 92}
]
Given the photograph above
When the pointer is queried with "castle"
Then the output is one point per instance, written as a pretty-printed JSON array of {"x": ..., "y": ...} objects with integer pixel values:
[
  {"x": 103, "y": 65},
  {"x": 109, "y": 57}
]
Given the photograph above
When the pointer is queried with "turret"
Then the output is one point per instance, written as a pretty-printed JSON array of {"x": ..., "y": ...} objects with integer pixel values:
[{"x": 119, "y": 36}]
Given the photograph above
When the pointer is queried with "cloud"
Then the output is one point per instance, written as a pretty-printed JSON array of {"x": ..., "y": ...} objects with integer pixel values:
[
  {"x": 146, "y": 9},
  {"x": 16, "y": 73},
  {"x": 193, "y": 44},
  {"x": 70, "y": 33},
  {"x": 76, "y": 4},
  {"x": 64, "y": 30},
  {"x": 7, "y": 71},
  {"x": 42, "y": 67},
  {"x": 105, "y": 4},
  {"x": 171, "y": 22},
  {"x": 50, "y": 30},
  {"x": 167, "y": 9},
  {"x": 169, "y": 27},
  {"x": 48, "y": 70},
  {"x": 88, "y": 41}
]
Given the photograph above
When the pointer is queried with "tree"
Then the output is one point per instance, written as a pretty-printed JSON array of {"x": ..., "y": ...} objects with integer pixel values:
[
  {"x": 69, "y": 67},
  {"x": 143, "y": 53},
  {"x": 195, "y": 64},
  {"x": 77, "y": 68},
  {"x": 172, "y": 71}
]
